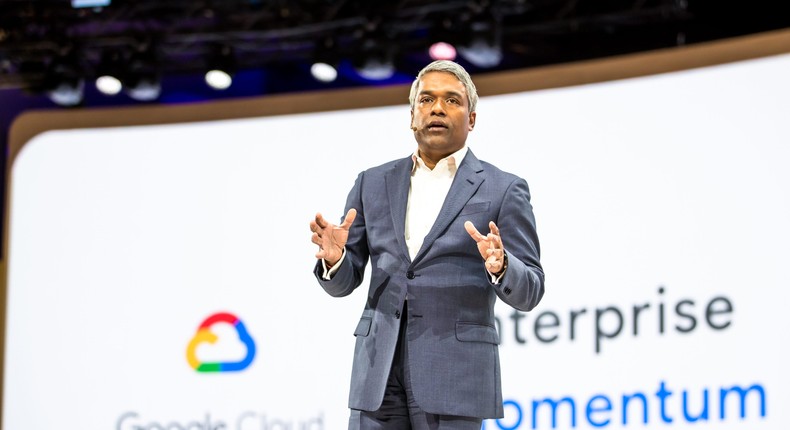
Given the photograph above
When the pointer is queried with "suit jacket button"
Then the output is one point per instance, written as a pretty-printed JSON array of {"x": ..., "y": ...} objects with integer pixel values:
[
  {"x": 397, "y": 315},
  {"x": 410, "y": 274}
]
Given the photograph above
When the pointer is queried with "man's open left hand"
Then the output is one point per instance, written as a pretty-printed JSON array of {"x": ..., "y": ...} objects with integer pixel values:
[
  {"x": 490, "y": 246},
  {"x": 331, "y": 238}
]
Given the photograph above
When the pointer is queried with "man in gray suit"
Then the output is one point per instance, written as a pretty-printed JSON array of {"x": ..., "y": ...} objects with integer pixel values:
[{"x": 426, "y": 353}]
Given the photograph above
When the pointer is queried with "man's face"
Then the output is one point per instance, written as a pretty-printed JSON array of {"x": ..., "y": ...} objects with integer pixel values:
[{"x": 440, "y": 117}]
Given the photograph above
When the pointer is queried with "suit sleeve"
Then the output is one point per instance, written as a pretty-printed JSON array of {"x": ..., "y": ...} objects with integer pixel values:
[
  {"x": 522, "y": 285},
  {"x": 350, "y": 273}
]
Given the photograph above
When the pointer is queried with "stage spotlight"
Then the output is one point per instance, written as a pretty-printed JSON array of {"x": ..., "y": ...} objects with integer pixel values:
[
  {"x": 108, "y": 85},
  {"x": 482, "y": 54},
  {"x": 325, "y": 60},
  {"x": 64, "y": 83},
  {"x": 323, "y": 72},
  {"x": 109, "y": 72},
  {"x": 90, "y": 3},
  {"x": 223, "y": 66},
  {"x": 376, "y": 69},
  {"x": 484, "y": 47},
  {"x": 218, "y": 79},
  {"x": 375, "y": 61},
  {"x": 442, "y": 51},
  {"x": 68, "y": 92},
  {"x": 144, "y": 88},
  {"x": 141, "y": 80}
]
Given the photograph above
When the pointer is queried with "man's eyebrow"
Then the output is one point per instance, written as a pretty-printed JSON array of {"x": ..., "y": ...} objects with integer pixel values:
[{"x": 449, "y": 93}]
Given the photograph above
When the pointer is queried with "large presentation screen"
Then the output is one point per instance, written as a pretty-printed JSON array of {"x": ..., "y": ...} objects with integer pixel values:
[{"x": 159, "y": 277}]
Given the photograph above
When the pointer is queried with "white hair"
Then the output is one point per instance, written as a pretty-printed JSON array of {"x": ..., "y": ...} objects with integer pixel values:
[{"x": 447, "y": 67}]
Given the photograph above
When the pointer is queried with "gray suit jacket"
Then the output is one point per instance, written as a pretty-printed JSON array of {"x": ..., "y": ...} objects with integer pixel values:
[{"x": 452, "y": 339}]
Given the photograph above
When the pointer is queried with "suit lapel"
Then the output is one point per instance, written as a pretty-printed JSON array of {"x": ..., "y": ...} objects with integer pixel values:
[
  {"x": 467, "y": 180},
  {"x": 398, "y": 180}
]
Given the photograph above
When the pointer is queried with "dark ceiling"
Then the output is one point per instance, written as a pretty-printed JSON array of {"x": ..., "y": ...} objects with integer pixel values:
[{"x": 43, "y": 41}]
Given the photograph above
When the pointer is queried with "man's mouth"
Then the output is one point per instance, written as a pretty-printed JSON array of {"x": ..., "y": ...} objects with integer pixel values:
[{"x": 436, "y": 125}]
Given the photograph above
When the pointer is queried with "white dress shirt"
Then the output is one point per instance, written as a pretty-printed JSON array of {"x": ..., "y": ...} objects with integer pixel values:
[{"x": 427, "y": 194}]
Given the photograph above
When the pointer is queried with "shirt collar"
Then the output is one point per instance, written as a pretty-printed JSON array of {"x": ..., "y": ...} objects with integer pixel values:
[{"x": 453, "y": 160}]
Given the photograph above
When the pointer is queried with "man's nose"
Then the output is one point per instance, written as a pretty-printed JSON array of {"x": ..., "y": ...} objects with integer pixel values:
[{"x": 437, "y": 108}]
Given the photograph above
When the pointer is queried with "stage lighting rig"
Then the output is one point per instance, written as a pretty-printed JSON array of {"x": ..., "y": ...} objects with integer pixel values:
[
  {"x": 142, "y": 81},
  {"x": 375, "y": 61},
  {"x": 376, "y": 38},
  {"x": 109, "y": 73},
  {"x": 78, "y": 4},
  {"x": 325, "y": 61},
  {"x": 483, "y": 46},
  {"x": 64, "y": 82},
  {"x": 222, "y": 68}
]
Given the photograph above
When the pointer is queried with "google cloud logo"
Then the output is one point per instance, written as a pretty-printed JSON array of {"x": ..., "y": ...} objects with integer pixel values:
[{"x": 205, "y": 335}]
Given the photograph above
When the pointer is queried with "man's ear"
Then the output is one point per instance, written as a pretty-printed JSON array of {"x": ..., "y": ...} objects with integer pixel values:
[
  {"x": 411, "y": 119},
  {"x": 472, "y": 118}
]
